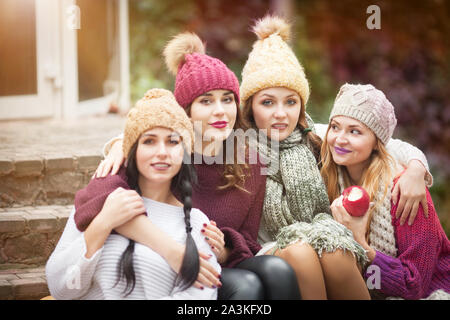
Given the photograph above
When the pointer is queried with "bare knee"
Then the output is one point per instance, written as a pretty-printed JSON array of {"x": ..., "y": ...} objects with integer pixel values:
[
  {"x": 339, "y": 263},
  {"x": 298, "y": 254}
]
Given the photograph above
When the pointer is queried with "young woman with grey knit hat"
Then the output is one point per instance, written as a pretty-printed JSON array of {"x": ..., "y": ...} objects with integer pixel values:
[
  {"x": 229, "y": 192},
  {"x": 296, "y": 221},
  {"x": 96, "y": 263},
  {"x": 413, "y": 261}
]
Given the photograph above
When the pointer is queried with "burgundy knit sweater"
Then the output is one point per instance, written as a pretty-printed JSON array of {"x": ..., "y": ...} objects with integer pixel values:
[
  {"x": 422, "y": 265},
  {"x": 237, "y": 213}
]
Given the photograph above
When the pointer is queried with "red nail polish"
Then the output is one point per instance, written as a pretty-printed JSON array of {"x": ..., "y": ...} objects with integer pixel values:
[
  {"x": 203, "y": 230},
  {"x": 205, "y": 225}
]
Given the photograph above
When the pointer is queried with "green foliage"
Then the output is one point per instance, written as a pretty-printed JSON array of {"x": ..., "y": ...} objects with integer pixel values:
[{"x": 152, "y": 24}]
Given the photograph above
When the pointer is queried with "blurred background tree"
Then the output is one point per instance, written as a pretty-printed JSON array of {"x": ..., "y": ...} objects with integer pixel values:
[{"x": 408, "y": 58}]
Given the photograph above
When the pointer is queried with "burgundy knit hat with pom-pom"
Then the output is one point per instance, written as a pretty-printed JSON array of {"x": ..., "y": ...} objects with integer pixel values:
[{"x": 196, "y": 72}]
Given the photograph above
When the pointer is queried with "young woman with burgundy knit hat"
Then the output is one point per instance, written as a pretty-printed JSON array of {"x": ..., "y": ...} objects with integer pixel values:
[
  {"x": 97, "y": 264},
  {"x": 296, "y": 222},
  {"x": 229, "y": 193},
  {"x": 413, "y": 260}
]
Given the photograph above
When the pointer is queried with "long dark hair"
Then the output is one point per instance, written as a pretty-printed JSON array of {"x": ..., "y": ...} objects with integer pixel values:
[{"x": 182, "y": 184}]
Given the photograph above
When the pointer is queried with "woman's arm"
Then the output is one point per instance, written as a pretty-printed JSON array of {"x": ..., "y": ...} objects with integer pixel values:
[
  {"x": 409, "y": 274},
  {"x": 401, "y": 151},
  {"x": 90, "y": 200},
  {"x": 404, "y": 153},
  {"x": 142, "y": 230},
  {"x": 120, "y": 207},
  {"x": 413, "y": 182},
  {"x": 69, "y": 272},
  {"x": 195, "y": 293},
  {"x": 411, "y": 186}
]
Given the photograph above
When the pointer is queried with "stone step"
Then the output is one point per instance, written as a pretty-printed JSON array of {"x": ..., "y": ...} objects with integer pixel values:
[
  {"x": 28, "y": 235},
  {"x": 45, "y": 162},
  {"x": 23, "y": 284},
  {"x": 44, "y": 180}
]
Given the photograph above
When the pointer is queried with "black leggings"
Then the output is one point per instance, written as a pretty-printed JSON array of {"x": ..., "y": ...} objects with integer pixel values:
[{"x": 259, "y": 278}]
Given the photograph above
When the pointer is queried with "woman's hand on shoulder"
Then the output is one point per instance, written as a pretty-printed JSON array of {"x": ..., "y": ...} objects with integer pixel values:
[
  {"x": 112, "y": 162},
  {"x": 412, "y": 188}
]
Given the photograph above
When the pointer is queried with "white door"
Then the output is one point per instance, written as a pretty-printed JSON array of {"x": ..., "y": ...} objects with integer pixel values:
[
  {"x": 29, "y": 79},
  {"x": 95, "y": 57},
  {"x": 52, "y": 65}
]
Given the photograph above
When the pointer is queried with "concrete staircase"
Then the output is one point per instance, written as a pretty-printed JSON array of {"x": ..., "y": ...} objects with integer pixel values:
[{"x": 42, "y": 165}]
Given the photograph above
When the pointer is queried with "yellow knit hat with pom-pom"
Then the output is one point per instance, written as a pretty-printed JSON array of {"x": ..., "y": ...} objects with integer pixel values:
[
  {"x": 272, "y": 63},
  {"x": 158, "y": 108}
]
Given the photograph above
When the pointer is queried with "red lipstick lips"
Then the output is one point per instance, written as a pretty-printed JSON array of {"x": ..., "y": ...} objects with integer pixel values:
[{"x": 219, "y": 124}]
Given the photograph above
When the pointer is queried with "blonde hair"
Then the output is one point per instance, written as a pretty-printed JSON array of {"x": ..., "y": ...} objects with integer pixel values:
[{"x": 378, "y": 172}]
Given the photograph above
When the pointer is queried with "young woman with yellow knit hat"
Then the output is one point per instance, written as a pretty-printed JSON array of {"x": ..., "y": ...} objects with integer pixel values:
[
  {"x": 231, "y": 194},
  {"x": 413, "y": 261},
  {"x": 98, "y": 264},
  {"x": 296, "y": 221}
]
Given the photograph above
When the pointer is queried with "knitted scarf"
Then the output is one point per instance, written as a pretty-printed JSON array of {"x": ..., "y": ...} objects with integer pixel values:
[
  {"x": 296, "y": 205},
  {"x": 296, "y": 191},
  {"x": 381, "y": 235}
]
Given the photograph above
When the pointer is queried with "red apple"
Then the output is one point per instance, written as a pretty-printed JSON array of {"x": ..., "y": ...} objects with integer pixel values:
[{"x": 356, "y": 201}]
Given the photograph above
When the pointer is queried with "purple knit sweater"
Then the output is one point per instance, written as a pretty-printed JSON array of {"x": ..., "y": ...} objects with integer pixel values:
[
  {"x": 237, "y": 213},
  {"x": 422, "y": 265}
]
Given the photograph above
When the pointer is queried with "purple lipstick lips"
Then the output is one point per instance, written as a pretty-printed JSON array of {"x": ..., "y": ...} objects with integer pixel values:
[{"x": 341, "y": 151}]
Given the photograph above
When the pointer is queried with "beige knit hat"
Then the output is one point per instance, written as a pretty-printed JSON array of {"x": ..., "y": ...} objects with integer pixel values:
[
  {"x": 368, "y": 105},
  {"x": 272, "y": 63},
  {"x": 158, "y": 108}
]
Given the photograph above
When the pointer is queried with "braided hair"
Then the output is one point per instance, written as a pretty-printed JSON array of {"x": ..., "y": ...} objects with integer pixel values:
[{"x": 181, "y": 183}]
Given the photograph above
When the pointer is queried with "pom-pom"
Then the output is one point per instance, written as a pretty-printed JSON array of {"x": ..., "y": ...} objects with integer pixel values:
[
  {"x": 269, "y": 25},
  {"x": 179, "y": 46},
  {"x": 156, "y": 93}
]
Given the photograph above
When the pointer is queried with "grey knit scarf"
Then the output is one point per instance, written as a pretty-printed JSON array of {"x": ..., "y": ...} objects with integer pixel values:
[
  {"x": 295, "y": 192},
  {"x": 296, "y": 206}
]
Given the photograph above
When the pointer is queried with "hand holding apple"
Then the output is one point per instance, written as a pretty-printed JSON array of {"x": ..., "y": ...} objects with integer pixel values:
[
  {"x": 356, "y": 224},
  {"x": 356, "y": 201}
]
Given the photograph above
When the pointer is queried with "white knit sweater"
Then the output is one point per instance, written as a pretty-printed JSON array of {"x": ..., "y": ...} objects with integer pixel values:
[{"x": 70, "y": 275}]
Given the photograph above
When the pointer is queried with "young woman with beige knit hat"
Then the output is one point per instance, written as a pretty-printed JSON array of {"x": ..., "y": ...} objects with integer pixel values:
[
  {"x": 296, "y": 221},
  {"x": 413, "y": 260},
  {"x": 97, "y": 263},
  {"x": 231, "y": 194}
]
